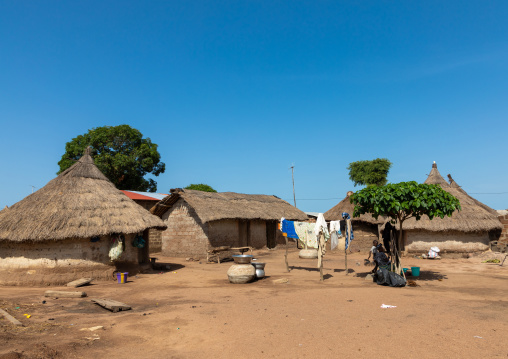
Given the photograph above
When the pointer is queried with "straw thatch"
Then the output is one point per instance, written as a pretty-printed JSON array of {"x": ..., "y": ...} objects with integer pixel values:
[
  {"x": 211, "y": 206},
  {"x": 80, "y": 203},
  {"x": 474, "y": 216},
  {"x": 335, "y": 213}
]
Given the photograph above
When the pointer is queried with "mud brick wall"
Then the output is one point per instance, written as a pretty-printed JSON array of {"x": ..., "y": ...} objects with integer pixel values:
[
  {"x": 63, "y": 253},
  {"x": 154, "y": 235},
  {"x": 186, "y": 235},
  {"x": 364, "y": 235},
  {"x": 504, "y": 233},
  {"x": 155, "y": 240},
  {"x": 448, "y": 242}
]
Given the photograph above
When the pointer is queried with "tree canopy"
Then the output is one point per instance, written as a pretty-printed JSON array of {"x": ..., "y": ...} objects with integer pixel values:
[
  {"x": 121, "y": 153},
  {"x": 405, "y": 200},
  {"x": 369, "y": 173},
  {"x": 402, "y": 201},
  {"x": 200, "y": 187}
]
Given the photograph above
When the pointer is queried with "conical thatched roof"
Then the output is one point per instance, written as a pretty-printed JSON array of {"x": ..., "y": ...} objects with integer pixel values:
[
  {"x": 454, "y": 184},
  {"x": 211, "y": 206},
  {"x": 80, "y": 203},
  {"x": 335, "y": 213},
  {"x": 474, "y": 216}
]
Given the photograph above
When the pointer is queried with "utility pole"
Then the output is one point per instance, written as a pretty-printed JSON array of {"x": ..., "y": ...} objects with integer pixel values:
[
  {"x": 33, "y": 189},
  {"x": 293, "y": 177}
]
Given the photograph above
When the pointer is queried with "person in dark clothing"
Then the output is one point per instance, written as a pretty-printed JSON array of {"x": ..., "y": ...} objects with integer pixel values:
[{"x": 381, "y": 260}]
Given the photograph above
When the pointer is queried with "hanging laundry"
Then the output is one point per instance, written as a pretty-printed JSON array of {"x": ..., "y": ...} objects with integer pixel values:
[
  {"x": 301, "y": 230},
  {"x": 312, "y": 239},
  {"x": 335, "y": 233},
  {"x": 321, "y": 249},
  {"x": 346, "y": 216},
  {"x": 288, "y": 228},
  {"x": 305, "y": 232},
  {"x": 335, "y": 227},
  {"x": 334, "y": 240},
  {"x": 321, "y": 226}
]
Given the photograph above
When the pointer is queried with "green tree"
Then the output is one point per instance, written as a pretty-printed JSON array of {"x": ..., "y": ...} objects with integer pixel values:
[
  {"x": 369, "y": 173},
  {"x": 121, "y": 153},
  {"x": 402, "y": 201},
  {"x": 201, "y": 187}
]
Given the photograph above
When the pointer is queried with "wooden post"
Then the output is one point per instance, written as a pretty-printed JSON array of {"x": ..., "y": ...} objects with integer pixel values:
[
  {"x": 321, "y": 240},
  {"x": 347, "y": 241},
  {"x": 286, "y": 255}
]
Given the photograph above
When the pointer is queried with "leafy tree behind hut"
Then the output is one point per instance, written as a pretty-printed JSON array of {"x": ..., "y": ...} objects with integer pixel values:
[
  {"x": 369, "y": 173},
  {"x": 121, "y": 153},
  {"x": 201, "y": 187}
]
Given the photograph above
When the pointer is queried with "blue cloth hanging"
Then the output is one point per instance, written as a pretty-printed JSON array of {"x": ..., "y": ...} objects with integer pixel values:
[
  {"x": 288, "y": 227},
  {"x": 346, "y": 216}
]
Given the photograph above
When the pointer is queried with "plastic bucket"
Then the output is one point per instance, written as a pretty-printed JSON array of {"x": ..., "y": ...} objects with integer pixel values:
[
  {"x": 415, "y": 271},
  {"x": 405, "y": 270},
  {"x": 122, "y": 277}
]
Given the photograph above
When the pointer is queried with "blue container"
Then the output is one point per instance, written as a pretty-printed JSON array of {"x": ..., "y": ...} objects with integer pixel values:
[
  {"x": 415, "y": 271},
  {"x": 405, "y": 270}
]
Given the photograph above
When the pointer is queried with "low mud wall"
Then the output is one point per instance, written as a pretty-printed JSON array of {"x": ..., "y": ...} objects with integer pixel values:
[{"x": 448, "y": 242}]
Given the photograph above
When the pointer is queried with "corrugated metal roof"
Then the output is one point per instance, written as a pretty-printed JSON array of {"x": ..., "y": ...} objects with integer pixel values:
[{"x": 148, "y": 196}]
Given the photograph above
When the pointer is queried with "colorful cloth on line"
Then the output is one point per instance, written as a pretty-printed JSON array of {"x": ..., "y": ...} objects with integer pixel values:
[
  {"x": 346, "y": 216},
  {"x": 288, "y": 227},
  {"x": 305, "y": 232}
]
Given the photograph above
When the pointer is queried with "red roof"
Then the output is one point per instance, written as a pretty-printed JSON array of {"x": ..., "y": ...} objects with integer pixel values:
[{"x": 133, "y": 195}]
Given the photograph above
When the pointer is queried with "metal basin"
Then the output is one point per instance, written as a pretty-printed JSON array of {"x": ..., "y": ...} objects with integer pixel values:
[{"x": 242, "y": 258}]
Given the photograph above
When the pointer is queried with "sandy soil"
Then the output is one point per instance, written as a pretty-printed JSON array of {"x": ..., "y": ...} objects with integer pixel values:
[{"x": 459, "y": 309}]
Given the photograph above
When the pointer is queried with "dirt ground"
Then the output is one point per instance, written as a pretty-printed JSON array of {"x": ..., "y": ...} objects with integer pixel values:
[{"x": 459, "y": 309}]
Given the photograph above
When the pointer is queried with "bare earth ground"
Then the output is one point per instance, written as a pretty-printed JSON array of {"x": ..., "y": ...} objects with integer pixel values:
[{"x": 460, "y": 309}]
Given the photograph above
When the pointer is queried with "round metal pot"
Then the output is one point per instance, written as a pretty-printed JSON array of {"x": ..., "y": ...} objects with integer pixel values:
[
  {"x": 242, "y": 258},
  {"x": 260, "y": 269}
]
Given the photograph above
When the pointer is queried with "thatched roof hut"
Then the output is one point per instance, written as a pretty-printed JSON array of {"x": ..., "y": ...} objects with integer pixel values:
[
  {"x": 212, "y": 206},
  {"x": 467, "y": 230},
  {"x": 474, "y": 216},
  {"x": 201, "y": 221},
  {"x": 366, "y": 228},
  {"x": 80, "y": 203}
]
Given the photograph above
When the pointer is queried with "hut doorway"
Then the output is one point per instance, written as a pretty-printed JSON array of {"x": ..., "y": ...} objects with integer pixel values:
[
  {"x": 243, "y": 233},
  {"x": 143, "y": 253},
  {"x": 271, "y": 233}
]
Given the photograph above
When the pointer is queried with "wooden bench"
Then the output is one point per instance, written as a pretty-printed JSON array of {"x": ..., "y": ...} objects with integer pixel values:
[{"x": 215, "y": 252}]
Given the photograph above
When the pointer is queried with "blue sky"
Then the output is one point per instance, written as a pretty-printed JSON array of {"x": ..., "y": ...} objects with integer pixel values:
[{"x": 235, "y": 92}]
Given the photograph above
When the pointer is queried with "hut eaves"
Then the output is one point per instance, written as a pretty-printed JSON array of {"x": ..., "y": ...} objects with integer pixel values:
[{"x": 210, "y": 206}]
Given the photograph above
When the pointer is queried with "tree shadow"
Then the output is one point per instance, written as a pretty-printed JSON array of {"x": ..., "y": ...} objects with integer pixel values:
[
  {"x": 311, "y": 269},
  {"x": 308, "y": 269},
  {"x": 349, "y": 270},
  {"x": 166, "y": 267},
  {"x": 427, "y": 275},
  {"x": 363, "y": 275}
]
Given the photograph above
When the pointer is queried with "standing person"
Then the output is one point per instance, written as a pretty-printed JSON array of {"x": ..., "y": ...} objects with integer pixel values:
[{"x": 374, "y": 249}]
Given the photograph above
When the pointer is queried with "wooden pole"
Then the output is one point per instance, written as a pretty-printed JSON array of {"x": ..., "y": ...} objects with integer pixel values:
[
  {"x": 286, "y": 255},
  {"x": 321, "y": 240},
  {"x": 347, "y": 241}
]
